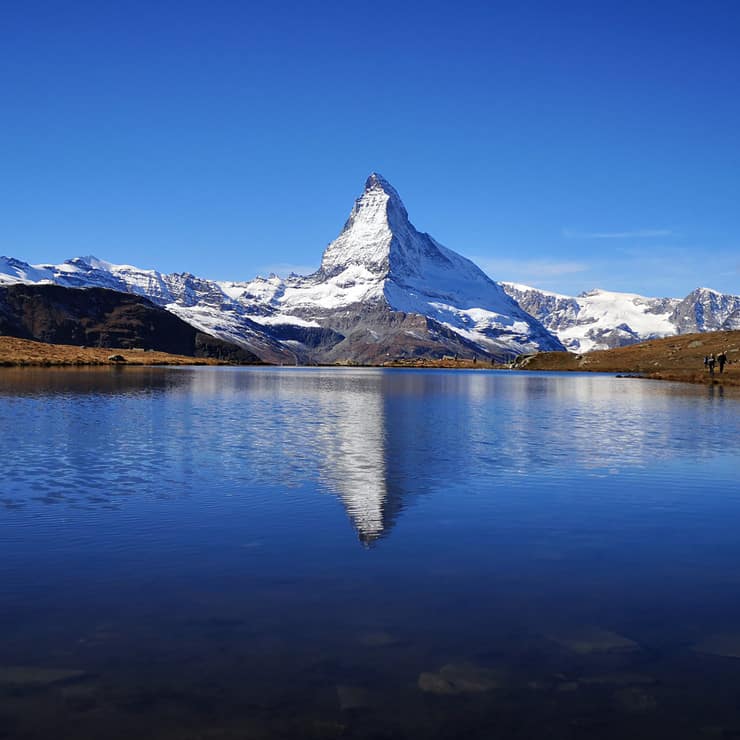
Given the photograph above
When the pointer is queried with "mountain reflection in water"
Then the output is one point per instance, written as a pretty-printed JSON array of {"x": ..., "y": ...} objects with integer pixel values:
[
  {"x": 540, "y": 555},
  {"x": 374, "y": 438}
]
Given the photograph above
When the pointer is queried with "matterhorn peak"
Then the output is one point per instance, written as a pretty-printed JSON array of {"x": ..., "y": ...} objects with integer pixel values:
[
  {"x": 377, "y": 216},
  {"x": 376, "y": 181},
  {"x": 379, "y": 198}
]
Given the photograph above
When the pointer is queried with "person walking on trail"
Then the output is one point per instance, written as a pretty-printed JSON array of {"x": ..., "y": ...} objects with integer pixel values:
[
  {"x": 706, "y": 360},
  {"x": 721, "y": 360},
  {"x": 710, "y": 363}
]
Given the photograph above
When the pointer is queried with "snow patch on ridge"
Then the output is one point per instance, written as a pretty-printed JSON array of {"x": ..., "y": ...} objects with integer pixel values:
[
  {"x": 597, "y": 319},
  {"x": 354, "y": 285}
]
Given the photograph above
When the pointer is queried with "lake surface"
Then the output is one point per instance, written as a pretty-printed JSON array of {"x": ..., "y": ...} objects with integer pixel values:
[{"x": 308, "y": 553}]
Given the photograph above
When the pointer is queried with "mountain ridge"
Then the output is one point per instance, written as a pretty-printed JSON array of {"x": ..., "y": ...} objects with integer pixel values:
[
  {"x": 599, "y": 319},
  {"x": 100, "y": 317},
  {"x": 387, "y": 290}
]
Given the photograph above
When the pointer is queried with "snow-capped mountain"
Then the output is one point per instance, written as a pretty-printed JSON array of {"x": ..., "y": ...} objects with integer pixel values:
[
  {"x": 383, "y": 290},
  {"x": 381, "y": 275},
  {"x": 705, "y": 309},
  {"x": 601, "y": 319},
  {"x": 201, "y": 303}
]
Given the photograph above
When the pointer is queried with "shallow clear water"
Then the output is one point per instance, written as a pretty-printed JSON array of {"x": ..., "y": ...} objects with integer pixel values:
[{"x": 254, "y": 553}]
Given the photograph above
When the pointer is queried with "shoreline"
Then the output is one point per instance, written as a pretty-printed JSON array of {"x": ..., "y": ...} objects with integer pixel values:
[
  {"x": 728, "y": 378},
  {"x": 673, "y": 359}
]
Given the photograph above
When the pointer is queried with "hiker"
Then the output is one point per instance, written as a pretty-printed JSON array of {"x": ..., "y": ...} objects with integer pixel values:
[
  {"x": 721, "y": 360},
  {"x": 706, "y": 360},
  {"x": 710, "y": 363}
]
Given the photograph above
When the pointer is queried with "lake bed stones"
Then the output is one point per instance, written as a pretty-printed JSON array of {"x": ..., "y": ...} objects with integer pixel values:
[
  {"x": 723, "y": 644},
  {"x": 23, "y": 676},
  {"x": 589, "y": 640},
  {"x": 460, "y": 678}
]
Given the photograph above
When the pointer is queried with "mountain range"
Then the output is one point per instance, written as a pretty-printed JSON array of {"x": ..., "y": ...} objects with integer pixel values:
[
  {"x": 386, "y": 290},
  {"x": 601, "y": 319}
]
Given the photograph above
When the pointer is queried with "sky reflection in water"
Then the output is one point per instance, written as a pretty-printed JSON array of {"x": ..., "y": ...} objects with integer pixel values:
[{"x": 493, "y": 511}]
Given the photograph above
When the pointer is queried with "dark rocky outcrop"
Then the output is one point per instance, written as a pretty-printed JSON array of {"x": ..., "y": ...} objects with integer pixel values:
[
  {"x": 377, "y": 336},
  {"x": 99, "y": 317},
  {"x": 312, "y": 337},
  {"x": 218, "y": 349}
]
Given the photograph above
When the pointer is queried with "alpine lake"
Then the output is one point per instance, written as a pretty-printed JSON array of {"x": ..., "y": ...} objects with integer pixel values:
[{"x": 256, "y": 553}]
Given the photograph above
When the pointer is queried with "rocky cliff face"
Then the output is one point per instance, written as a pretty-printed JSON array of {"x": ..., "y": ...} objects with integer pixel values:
[
  {"x": 732, "y": 322},
  {"x": 99, "y": 317},
  {"x": 706, "y": 310}
]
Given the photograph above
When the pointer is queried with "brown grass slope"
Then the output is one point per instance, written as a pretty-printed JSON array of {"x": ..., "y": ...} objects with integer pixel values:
[
  {"x": 673, "y": 358},
  {"x": 21, "y": 352}
]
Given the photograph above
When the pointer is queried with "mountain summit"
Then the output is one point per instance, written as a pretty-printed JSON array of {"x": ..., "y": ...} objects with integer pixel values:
[
  {"x": 387, "y": 275},
  {"x": 387, "y": 291},
  {"x": 375, "y": 225},
  {"x": 384, "y": 291}
]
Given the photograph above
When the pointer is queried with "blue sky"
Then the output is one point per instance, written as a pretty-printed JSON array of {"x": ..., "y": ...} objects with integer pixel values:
[{"x": 566, "y": 145}]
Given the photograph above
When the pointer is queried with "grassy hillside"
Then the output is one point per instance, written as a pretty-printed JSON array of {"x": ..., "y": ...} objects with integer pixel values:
[
  {"x": 672, "y": 358},
  {"x": 15, "y": 352}
]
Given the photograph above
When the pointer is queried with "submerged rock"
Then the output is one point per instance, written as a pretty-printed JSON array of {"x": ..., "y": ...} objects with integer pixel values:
[
  {"x": 32, "y": 676},
  {"x": 325, "y": 729},
  {"x": 726, "y": 645},
  {"x": 79, "y": 690},
  {"x": 434, "y": 683},
  {"x": 460, "y": 678},
  {"x": 80, "y": 697},
  {"x": 633, "y": 700},
  {"x": 588, "y": 640},
  {"x": 379, "y": 639},
  {"x": 618, "y": 679},
  {"x": 712, "y": 731},
  {"x": 354, "y": 697}
]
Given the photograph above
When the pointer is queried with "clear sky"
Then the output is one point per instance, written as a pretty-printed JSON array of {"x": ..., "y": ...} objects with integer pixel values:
[{"x": 564, "y": 145}]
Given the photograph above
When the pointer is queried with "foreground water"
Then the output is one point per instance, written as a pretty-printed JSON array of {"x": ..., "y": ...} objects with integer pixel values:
[{"x": 288, "y": 553}]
